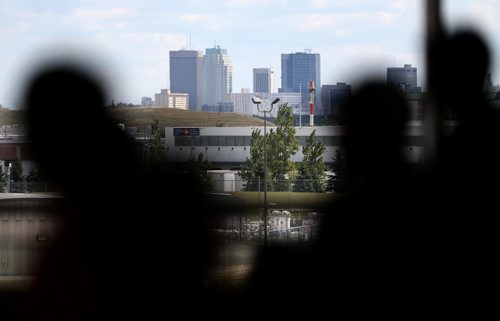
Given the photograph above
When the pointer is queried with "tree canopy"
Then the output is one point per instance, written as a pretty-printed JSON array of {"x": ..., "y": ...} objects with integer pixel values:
[
  {"x": 156, "y": 147},
  {"x": 311, "y": 171},
  {"x": 198, "y": 170},
  {"x": 281, "y": 146},
  {"x": 253, "y": 169}
]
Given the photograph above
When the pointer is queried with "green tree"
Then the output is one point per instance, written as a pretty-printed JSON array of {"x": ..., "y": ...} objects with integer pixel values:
[
  {"x": 3, "y": 179},
  {"x": 253, "y": 169},
  {"x": 282, "y": 145},
  {"x": 340, "y": 164},
  {"x": 340, "y": 182},
  {"x": 198, "y": 170},
  {"x": 311, "y": 171},
  {"x": 156, "y": 147},
  {"x": 36, "y": 175},
  {"x": 16, "y": 171}
]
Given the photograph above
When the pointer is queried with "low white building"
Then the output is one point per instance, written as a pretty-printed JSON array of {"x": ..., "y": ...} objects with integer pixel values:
[{"x": 229, "y": 147}]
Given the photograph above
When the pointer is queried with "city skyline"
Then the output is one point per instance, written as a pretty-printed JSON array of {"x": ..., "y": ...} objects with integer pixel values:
[{"x": 131, "y": 41}]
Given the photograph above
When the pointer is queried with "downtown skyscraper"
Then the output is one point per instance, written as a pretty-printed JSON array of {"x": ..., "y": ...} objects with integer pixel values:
[
  {"x": 297, "y": 69},
  {"x": 404, "y": 78},
  {"x": 217, "y": 76},
  {"x": 186, "y": 75}
]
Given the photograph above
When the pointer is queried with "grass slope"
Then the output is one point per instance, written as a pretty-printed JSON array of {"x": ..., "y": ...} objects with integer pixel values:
[
  {"x": 142, "y": 117},
  {"x": 11, "y": 117},
  {"x": 288, "y": 199}
]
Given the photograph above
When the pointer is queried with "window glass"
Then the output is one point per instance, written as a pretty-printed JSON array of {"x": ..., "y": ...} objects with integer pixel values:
[
  {"x": 338, "y": 141},
  {"x": 319, "y": 139},
  {"x": 196, "y": 141},
  {"x": 240, "y": 141},
  {"x": 231, "y": 141},
  {"x": 221, "y": 141}
]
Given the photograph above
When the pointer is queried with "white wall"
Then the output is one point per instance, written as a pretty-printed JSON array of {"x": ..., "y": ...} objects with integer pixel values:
[{"x": 21, "y": 242}]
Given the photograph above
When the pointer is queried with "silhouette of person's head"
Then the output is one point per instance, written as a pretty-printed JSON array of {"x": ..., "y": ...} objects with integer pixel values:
[
  {"x": 72, "y": 137},
  {"x": 465, "y": 65},
  {"x": 376, "y": 117}
]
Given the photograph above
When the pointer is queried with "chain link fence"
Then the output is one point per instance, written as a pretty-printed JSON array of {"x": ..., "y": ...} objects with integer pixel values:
[
  {"x": 28, "y": 187},
  {"x": 242, "y": 229},
  {"x": 293, "y": 235},
  {"x": 218, "y": 185},
  {"x": 330, "y": 184},
  {"x": 238, "y": 185}
]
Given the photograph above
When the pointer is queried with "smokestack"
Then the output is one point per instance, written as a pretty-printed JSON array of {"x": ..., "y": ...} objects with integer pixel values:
[{"x": 311, "y": 103}]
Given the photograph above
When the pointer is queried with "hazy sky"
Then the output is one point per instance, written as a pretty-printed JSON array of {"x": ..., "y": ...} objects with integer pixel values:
[{"x": 130, "y": 40}]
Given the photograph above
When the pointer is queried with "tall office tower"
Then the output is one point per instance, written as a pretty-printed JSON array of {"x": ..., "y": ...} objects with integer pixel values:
[
  {"x": 263, "y": 80},
  {"x": 334, "y": 97},
  {"x": 185, "y": 75},
  {"x": 404, "y": 78},
  {"x": 297, "y": 69},
  {"x": 217, "y": 78}
]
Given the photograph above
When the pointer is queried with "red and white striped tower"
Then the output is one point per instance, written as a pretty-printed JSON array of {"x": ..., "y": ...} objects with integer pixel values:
[{"x": 311, "y": 103}]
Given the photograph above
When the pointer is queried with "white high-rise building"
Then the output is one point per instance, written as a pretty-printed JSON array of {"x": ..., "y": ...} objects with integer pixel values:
[
  {"x": 263, "y": 80},
  {"x": 217, "y": 78}
]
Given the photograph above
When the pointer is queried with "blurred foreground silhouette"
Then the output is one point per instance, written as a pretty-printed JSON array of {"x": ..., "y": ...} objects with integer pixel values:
[{"x": 120, "y": 244}]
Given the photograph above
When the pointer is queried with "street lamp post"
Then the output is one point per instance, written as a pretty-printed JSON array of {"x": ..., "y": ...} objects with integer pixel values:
[
  {"x": 8, "y": 177},
  {"x": 258, "y": 102}
]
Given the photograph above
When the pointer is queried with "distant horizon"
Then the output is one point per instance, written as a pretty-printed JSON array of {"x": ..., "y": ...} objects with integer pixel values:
[{"x": 128, "y": 43}]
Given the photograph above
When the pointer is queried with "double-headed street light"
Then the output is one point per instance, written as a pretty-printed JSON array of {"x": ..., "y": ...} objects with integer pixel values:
[{"x": 265, "y": 109}]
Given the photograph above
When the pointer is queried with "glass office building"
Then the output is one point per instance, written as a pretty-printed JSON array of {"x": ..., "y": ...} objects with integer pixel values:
[{"x": 297, "y": 69}]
